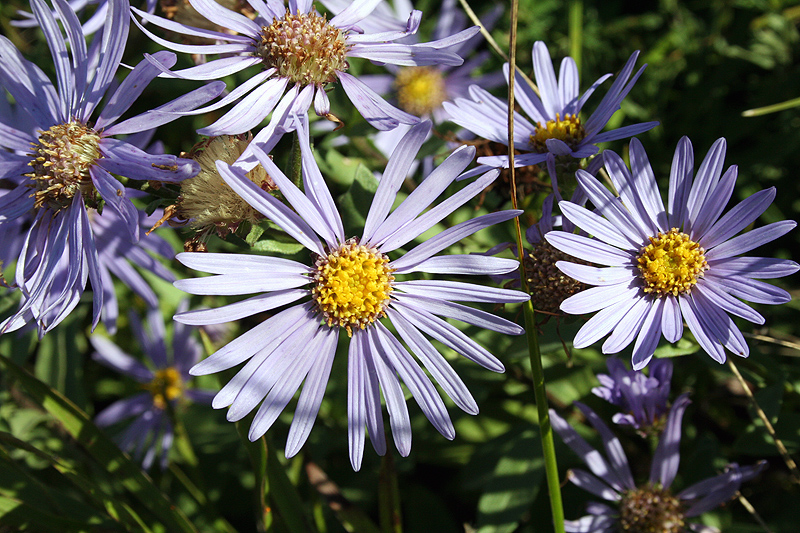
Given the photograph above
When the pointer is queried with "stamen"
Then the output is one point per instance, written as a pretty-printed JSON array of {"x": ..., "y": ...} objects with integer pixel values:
[
  {"x": 165, "y": 386},
  {"x": 420, "y": 90},
  {"x": 671, "y": 264},
  {"x": 352, "y": 286},
  {"x": 568, "y": 129},
  {"x": 207, "y": 201},
  {"x": 61, "y": 161},
  {"x": 304, "y": 48},
  {"x": 548, "y": 286},
  {"x": 650, "y": 510}
]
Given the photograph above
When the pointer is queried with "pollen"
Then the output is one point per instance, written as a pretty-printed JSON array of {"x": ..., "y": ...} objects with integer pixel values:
[
  {"x": 420, "y": 90},
  {"x": 61, "y": 160},
  {"x": 165, "y": 387},
  {"x": 569, "y": 129},
  {"x": 650, "y": 510},
  {"x": 206, "y": 200},
  {"x": 548, "y": 286},
  {"x": 352, "y": 285},
  {"x": 305, "y": 48},
  {"x": 671, "y": 264}
]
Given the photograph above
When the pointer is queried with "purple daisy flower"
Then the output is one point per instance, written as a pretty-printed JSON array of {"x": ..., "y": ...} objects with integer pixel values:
[
  {"x": 93, "y": 23},
  {"x": 352, "y": 286},
  {"x": 421, "y": 90},
  {"x": 555, "y": 129},
  {"x": 62, "y": 165},
  {"x": 651, "y": 507},
  {"x": 165, "y": 385},
  {"x": 300, "y": 53},
  {"x": 642, "y": 399},
  {"x": 667, "y": 266}
]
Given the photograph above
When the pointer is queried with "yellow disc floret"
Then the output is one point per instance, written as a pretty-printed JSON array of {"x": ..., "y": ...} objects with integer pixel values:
[
  {"x": 165, "y": 386},
  {"x": 352, "y": 285},
  {"x": 671, "y": 264},
  {"x": 61, "y": 161},
  {"x": 420, "y": 90},
  {"x": 568, "y": 129},
  {"x": 304, "y": 48}
]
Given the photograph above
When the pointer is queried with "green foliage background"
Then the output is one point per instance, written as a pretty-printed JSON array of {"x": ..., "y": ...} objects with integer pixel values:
[{"x": 707, "y": 63}]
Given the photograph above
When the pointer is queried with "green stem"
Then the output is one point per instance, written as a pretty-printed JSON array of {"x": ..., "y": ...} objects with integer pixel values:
[
  {"x": 389, "y": 497},
  {"x": 545, "y": 429},
  {"x": 576, "y": 31},
  {"x": 794, "y": 102},
  {"x": 542, "y": 408},
  {"x": 297, "y": 161}
]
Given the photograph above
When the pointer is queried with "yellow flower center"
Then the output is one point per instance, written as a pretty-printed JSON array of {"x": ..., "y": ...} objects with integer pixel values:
[
  {"x": 61, "y": 161},
  {"x": 304, "y": 48},
  {"x": 420, "y": 90},
  {"x": 352, "y": 285},
  {"x": 165, "y": 386},
  {"x": 671, "y": 264},
  {"x": 568, "y": 129},
  {"x": 650, "y": 510}
]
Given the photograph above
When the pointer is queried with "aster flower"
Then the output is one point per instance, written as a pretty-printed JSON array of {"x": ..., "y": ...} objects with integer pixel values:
[
  {"x": 555, "y": 129},
  {"x": 350, "y": 285},
  {"x": 93, "y": 23},
  {"x": 69, "y": 168},
  {"x": 165, "y": 384},
  {"x": 642, "y": 399},
  {"x": 652, "y": 506},
  {"x": 301, "y": 53},
  {"x": 667, "y": 266},
  {"x": 421, "y": 90}
]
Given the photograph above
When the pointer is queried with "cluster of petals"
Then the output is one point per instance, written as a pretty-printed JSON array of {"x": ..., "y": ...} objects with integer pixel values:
[
  {"x": 295, "y": 344},
  {"x": 268, "y": 92},
  {"x": 642, "y": 399},
  {"x": 611, "y": 476},
  {"x": 487, "y": 116},
  {"x": 623, "y": 225},
  {"x": 150, "y": 433},
  {"x": 456, "y": 79},
  {"x": 59, "y": 252}
]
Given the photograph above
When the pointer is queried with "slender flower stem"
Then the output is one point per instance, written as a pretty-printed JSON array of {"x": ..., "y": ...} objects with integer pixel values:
[
  {"x": 546, "y": 430},
  {"x": 296, "y": 171},
  {"x": 768, "y": 425},
  {"x": 576, "y": 32},
  {"x": 493, "y": 44}
]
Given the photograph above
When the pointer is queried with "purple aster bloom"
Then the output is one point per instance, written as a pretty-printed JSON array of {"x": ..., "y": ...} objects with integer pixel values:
[
  {"x": 300, "y": 53},
  {"x": 61, "y": 163},
  {"x": 164, "y": 382},
  {"x": 667, "y": 266},
  {"x": 352, "y": 286},
  {"x": 93, "y": 23},
  {"x": 555, "y": 129},
  {"x": 642, "y": 399},
  {"x": 422, "y": 90},
  {"x": 653, "y": 506}
]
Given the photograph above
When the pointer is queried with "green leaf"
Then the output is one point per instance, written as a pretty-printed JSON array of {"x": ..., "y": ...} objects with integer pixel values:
[
  {"x": 354, "y": 204},
  {"x": 255, "y": 232},
  {"x": 277, "y": 247},
  {"x": 101, "y": 448},
  {"x": 117, "y": 509},
  {"x": 514, "y": 483}
]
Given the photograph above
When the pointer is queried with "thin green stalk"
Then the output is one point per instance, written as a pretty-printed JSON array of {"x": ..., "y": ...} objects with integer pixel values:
[
  {"x": 767, "y": 424},
  {"x": 389, "y": 497},
  {"x": 774, "y": 108},
  {"x": 576, "y": 32},
  {"x": 545, "y": 428},
  {"x": 296, "y": 161}
]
